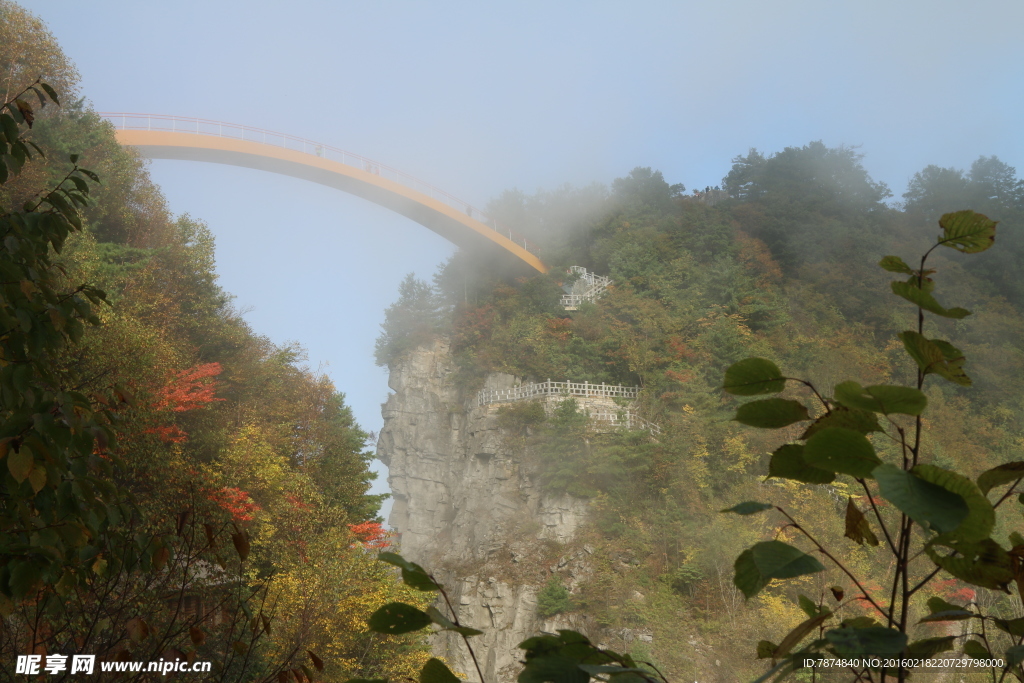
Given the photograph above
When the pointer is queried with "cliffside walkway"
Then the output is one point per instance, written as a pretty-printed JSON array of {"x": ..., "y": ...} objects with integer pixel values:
[
  {"x": 626, "y": 417},
  {"x": 549, "y": 388},
  {"x": 159, "y": 136},
  {"x": 587, "y": 288}
]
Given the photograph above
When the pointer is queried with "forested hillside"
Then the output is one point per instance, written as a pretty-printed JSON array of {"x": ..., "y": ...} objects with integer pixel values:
[
  {"x": 176, "y": 486},
  {"x": 780, "y": 263}
]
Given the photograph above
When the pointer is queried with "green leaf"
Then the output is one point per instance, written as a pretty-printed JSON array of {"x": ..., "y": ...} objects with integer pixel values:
[
  {"x": 967, "y": 231},
  {"x": 448, "y": 625},
  {"x": 435, "y": 671},
  {"x": 771, "y": 413},
  {"x": 1015, "y": 627},
  {"x": 860, "y": 642},
  {"x": 552, "y": 668},
  {"x": 950, "y": 615},
  {"x": 413, "y": 575},
  {"x": 766, "y": 649},
  {"x": 799, "y": 633},
  {"x": 919, "y": 297},
  {"x": 935, "y": 356},
  {"x": 894, "y": 264},
  {"x": 50, "y": 92},
  {"x": 10, "y": 126},
  {"x": 862, "y": 421},
  {"x": 753, "y": 376},
  {"x": 788, "y": 463},
  {"x": 931, "y": 646},
  {"x": 777, "y": 672},
  {"x": 138, "y": 629},
  {"x": 749, "y": 508},
  {"x": 807, "y": 605},
  {"x": 419, "y": 580},
  {"x": 20, "y": 464},
  {"x": 979, "y": 563},
  {"x": 397, "y": 617},
  {"x": 981, "y": 516},
  {"x": 66, "y": 584},
  {"x": 841, "y": 450},
  {"x": 241, "y": 542},
  {"x": 937, "y": 605},
  {"x": 25, "y": 577},
  {"x": 1003, "y": 474},
  {"x": 881, "y": 398},
  {"x": 928, "y": 504},
  {"x": 757, "y": 566},
  {"x": 1014, "y": 656},
  {"x": 976, "y": 650},
  {"x": 857, "y": 528},
  {"x": 37, "y": 479}
]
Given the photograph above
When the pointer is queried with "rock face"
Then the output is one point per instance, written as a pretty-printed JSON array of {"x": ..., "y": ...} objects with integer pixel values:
[{"x": 468, "y": 509}]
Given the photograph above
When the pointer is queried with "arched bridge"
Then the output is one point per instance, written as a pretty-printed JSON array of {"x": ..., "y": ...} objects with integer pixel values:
[{"x": 175, "y": 137}]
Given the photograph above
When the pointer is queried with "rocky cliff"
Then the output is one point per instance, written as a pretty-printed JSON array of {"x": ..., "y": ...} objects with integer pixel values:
[{"x": 467, "y": 507}]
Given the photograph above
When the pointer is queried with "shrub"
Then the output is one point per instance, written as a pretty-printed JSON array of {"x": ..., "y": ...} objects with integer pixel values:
[{"x": 553, "y": 599}]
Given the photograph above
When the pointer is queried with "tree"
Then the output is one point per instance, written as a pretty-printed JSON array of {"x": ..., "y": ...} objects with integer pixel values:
[
  {"x": 805, "y": 195},
  {"x": 931, "y": 520},
  {"x": 553, "y": 598},
  {"x": 644, "y": 188},
  {"x": 990, "y": 187},
  {"x": 412, "y": 321},
  {"x": 57, "y": 505}
]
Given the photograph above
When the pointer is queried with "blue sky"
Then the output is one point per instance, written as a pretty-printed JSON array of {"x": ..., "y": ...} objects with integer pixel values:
[{"x": 477, "y": 98}]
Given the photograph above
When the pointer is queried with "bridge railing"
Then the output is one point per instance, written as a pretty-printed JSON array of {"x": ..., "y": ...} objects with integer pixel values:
[
  {"x": 624, "y": 418},
  {"x": 549, "y": 388},
  {"x": 183, "y": 124}
]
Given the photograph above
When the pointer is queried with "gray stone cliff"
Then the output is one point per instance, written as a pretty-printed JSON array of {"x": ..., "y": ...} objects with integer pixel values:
[{"x": 468, "y": 509}]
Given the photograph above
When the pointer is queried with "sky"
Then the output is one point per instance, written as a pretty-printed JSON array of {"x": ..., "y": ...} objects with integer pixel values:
[{"x": 477, "y": 98}]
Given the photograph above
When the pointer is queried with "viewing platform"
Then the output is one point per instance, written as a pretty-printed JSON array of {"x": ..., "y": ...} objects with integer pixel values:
[
  {"x": 564, "y": 389},
  {"x": 598, "y": 400}
]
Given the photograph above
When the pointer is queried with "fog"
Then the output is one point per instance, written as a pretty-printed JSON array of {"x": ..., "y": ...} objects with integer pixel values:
[{"x": 479, "y": 98}]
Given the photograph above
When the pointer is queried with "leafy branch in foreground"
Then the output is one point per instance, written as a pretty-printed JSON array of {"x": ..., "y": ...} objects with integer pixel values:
[
  {"x": 568, "y": 657},
  {"x": 58, "y": 506},
  {"x": 938, "y": 520}
]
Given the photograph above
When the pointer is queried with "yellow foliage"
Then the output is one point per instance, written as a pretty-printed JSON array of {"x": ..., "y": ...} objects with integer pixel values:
[
  {"x": 740, "y": 456},
  {"x": 323, "y": 604},
  {"x": 780, "y": 611}
]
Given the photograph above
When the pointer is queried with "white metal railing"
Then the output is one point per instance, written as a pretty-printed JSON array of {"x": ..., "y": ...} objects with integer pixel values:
[
  {"x": 624, "y": 418},
  {"x": 587, "y": 288},
  {"x": 549, "y": 388},
  {"x": 182, "y": 124}
]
